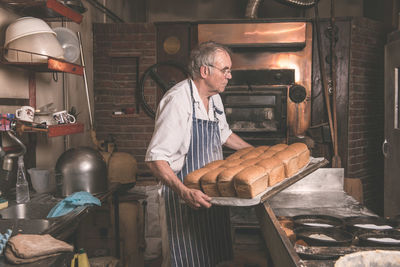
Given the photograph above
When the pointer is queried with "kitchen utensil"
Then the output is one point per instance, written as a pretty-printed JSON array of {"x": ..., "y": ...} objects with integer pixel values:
[
  {"x": 25, "y": 113},
  {"x": 366, "y": 224},
  {"x": 81, "y": 169},
  {"x": 324, "y": 236},
  {"x": 40, "y": 179},
  {"x": 26, "y": 26},
  {"x": 34, "y": 48},
  {"x": 317, "y": 221},
  {"x": 69, "y": 42},
  {"x": 388, "y": 238}
]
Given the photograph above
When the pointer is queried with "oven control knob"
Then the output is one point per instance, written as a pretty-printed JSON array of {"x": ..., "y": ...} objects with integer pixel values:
[{"x": 297, "y": 93}]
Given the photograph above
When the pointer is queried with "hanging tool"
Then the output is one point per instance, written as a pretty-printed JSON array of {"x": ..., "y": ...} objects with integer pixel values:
[
  {"x": 336, "y": 161},
  {"x": 92, "y": 131},
  {"x": 323, "y": 75}
]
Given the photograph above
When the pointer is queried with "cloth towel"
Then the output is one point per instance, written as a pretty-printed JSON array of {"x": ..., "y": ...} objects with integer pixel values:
[
  {"x": 73, "y": 201},
  {"x": 25, "y": 248},
  {"x": 3, "y": 239}
]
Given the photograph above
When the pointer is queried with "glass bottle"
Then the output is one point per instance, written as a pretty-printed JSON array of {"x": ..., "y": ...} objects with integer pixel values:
[{"x": 22, "y": 187}]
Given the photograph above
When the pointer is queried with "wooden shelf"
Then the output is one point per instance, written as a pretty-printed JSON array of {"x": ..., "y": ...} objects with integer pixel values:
[
  {"x": 65, "y": 129},
  {"x": 46, "y": 9},
  {"x": 51, "y": 65}
]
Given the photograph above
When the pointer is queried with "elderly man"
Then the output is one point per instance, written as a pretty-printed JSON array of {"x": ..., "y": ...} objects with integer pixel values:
[{"x": 190, "y": 130}]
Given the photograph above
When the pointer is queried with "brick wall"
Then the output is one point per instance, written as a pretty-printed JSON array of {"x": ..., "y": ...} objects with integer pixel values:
[
  {"x": 366, "y": 109},
  {"x": 122, "y": 53}
]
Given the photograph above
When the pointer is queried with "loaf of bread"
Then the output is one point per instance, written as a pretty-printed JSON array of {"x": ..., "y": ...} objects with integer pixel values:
[
  {"x": 232, "y": 163},
  {"x": 250, "y": 162},
  {"x": 303, "y": 154},
  {"x": 289, "y": 158},
  {"x": 209, "y": 182},
  {"x": 267, "y": 154},
  {"x": 240, "y": 152},
  {"x": 249, "y": 171},
  {"x": 215, "y": 164},
  {"x": 278, "y": 147},
  {"x": 192, "y": 180},
  {"x": 275, "y": 169},
  {"x": 261, "y": 148},
  {"x": 250, "y": 181},
  {"x": 225, "y": 181},
  {"x": 252, "y": 154}
]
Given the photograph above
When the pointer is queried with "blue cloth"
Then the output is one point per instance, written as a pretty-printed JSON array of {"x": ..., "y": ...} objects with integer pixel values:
[
  {"x": 4, "y": 238},
  {"x": 73, "y": 201}
]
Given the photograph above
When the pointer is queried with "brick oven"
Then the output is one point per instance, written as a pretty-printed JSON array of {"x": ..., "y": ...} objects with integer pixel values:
[{"x": 123, "y": 52}]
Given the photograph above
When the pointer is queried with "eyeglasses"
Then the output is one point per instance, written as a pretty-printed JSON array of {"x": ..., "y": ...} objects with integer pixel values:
[{"x": 225, "y": 71}]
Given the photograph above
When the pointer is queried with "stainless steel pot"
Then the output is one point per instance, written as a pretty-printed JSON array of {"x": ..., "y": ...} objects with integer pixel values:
[{"x": 81, "y": 169}]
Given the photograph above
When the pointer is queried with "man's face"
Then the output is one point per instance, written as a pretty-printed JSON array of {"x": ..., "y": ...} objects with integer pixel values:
[{"x": 220, "y": 72}]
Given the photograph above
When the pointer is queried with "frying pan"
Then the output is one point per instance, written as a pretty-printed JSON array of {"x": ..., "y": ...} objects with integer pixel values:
[
  {"x": 389, "y": 238},
  {"x": 324, "y": 236},
  {"x": 317, "y": 221},
  {"x": 368, "y": 224}
]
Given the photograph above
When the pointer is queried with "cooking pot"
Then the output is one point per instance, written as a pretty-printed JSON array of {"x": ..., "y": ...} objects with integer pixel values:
[{"x": 81, "y": 169}]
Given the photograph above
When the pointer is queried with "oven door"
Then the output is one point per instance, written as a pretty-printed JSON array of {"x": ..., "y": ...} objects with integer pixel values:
[{"x": 256, "y": 111}]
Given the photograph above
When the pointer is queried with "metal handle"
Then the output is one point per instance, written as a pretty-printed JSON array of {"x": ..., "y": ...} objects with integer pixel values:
[{"x": 385, "y": 147}]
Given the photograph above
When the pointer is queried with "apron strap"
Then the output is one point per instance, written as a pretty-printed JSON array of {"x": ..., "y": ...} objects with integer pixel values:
[{"x": 215, "y": 109}]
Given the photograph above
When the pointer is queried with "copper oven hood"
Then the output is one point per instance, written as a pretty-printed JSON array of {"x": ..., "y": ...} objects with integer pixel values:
[{"x": 270, "y": 45}]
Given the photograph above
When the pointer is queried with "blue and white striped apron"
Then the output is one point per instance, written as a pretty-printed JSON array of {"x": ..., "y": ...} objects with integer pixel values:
[{"x": 198, "y": 237}]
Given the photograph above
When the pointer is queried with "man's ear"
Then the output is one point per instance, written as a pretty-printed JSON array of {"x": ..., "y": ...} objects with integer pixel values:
[{"x": 204, "y": 71}]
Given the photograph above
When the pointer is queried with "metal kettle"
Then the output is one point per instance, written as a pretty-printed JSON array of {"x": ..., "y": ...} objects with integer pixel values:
[{"x": 81, "y": 169}]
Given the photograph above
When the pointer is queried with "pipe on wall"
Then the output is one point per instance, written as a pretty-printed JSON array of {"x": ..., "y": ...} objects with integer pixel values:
[{"x": 252, "y": 5}]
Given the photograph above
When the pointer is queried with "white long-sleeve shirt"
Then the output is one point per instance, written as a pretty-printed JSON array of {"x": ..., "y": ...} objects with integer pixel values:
[{"x": 173, "y": 126}]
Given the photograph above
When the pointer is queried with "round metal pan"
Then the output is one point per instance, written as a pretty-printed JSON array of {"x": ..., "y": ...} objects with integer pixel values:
[
  {"x": 324, "y": 236},
  {"x": 389, "y": 238},
  {"x": 317, "y": 221},
  {"x": 359, "y": 225}
]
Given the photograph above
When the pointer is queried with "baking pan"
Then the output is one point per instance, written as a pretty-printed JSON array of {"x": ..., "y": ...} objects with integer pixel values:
[
  {"x": 313, "y": 165},
  {"x": 324, "y": 236},
  {"x": 317, "y": 221},
  {"x": 388, "y": 238},
  {"x": 367, "y": 224}
]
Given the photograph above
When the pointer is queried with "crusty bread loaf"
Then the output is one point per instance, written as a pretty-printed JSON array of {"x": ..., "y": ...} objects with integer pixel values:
[
  {"x": 250, "y": 162},
  {"x": 209, "y": 182},
  {"x": 252, "y": 154},
  {"x": 232, "y": 163},
  {"x": 267, "y": 154},
  {"x": 249, "y": 171},
  {"x": 192, "y": 180},
  {"x": 225, "y": 181},
  {"x": 250, "y": 181},
  {"x": 303, "y": 154},
  {"x": 278, "y": 147},
  {"x": 275, "y": 169},
  {"x": 214, "y": 164},
  {"x": 261, "y": 148},
  {"x": 240, "y": 152},
  {"x": 289, "y": 159}
]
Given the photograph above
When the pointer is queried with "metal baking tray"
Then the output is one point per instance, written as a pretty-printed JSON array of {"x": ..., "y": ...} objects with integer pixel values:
[{"x": 312, "y": 166}]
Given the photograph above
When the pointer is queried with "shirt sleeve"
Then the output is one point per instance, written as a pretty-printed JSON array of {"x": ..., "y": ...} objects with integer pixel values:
[{"x": 172, "y": 126}]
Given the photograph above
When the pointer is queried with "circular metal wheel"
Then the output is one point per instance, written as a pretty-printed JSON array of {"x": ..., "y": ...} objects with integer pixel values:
[{"x": 160, "y": 77}]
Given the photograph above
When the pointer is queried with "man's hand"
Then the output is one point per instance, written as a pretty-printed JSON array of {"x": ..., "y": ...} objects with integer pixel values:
[{"x": 195, "y": 198}]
